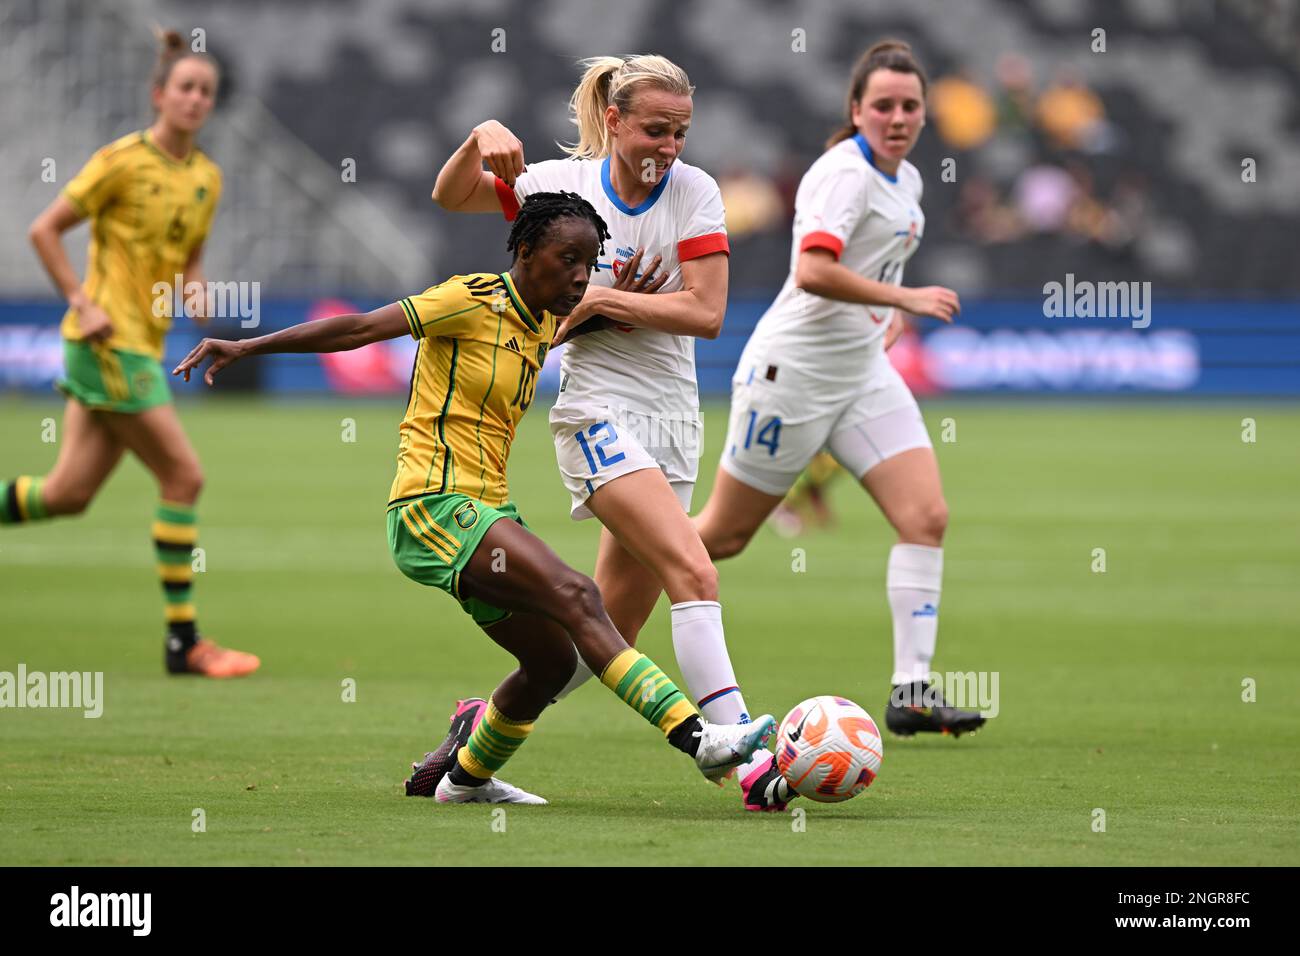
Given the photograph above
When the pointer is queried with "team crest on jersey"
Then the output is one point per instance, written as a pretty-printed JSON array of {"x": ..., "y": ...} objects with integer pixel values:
[
  {"x": 141, "y": 384},
  {"x": 200, "y": 193},
  {"x": 911, "y": 233},
  {"x": 621, "y": 258},
  {"x": 541, "y": 353},
  {"x": 466, "y": 516}
]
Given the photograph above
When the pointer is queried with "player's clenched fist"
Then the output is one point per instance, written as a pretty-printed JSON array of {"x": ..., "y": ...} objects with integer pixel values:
[{"x": 500, "y": 149}]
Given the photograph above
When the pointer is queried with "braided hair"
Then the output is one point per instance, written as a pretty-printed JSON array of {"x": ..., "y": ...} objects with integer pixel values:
[{"x": 541, "y": 209}]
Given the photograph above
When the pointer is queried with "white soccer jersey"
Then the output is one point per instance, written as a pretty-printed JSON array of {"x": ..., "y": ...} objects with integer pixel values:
[
  {"x": 818, "y": 352},
  {"x": 642, "y": 369}
]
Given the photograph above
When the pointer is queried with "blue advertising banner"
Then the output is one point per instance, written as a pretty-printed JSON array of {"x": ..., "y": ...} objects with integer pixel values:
[{"x": 996, "y": 346}]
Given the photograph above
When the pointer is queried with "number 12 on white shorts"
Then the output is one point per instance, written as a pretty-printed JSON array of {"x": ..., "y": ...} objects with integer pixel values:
[
  {"x": 605, "y": 432},
  {"x": 594, "y": 449}
]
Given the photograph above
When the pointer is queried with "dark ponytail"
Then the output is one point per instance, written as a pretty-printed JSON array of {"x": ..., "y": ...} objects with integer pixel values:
[
  {"x": 171, "y": 50},
  {"x": 886, "y": 55}
]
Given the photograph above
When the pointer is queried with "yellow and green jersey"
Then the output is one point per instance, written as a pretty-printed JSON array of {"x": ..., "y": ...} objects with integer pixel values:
[
  {"x": 148, "y": 212},
  {"x": 475, "y": 373}
]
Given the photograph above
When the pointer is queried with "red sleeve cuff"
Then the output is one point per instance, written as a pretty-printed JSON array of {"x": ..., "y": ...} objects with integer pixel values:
[
  {"x": 822, "y": 240},
  {"x": 509, "y": 202},
  {"x": 702, "y": 246}
]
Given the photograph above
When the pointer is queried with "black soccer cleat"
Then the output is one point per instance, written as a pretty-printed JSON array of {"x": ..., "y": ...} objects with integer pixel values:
[
  {"x": 920, "y": 708},
  {"x": 426, "y": 776},
  {"x": 766, "y": 789}
]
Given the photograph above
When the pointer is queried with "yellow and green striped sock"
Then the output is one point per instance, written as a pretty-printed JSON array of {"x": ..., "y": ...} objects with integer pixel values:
[
  {"x": 493, "y": 742},
  {"x": 21, "y": 500},
  {"x": 175, "y": 533},
  {"x": 641, "y": 685}
]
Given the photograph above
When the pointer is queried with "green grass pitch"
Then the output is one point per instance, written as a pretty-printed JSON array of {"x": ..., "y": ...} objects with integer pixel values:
[{"x": 1120, "y": 690}]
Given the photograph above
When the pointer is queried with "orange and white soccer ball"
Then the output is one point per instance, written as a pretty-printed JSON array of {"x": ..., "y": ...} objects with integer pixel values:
[{"x": 829, "y": 749}]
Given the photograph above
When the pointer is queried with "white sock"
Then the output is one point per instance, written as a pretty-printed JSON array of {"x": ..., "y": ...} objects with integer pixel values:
[
  {"x": 701, "y": 649},
  {"x": 580, "y": 677},
  {"x": 912, "y": 583}
]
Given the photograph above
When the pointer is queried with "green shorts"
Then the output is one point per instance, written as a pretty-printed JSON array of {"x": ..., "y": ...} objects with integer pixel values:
[
  {"x": 111, "y": 379},
  {"x": 432, "y": 539}
]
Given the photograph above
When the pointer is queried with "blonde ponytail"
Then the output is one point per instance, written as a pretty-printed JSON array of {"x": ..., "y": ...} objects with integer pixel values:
[
  {"x": 612, "y": 81},
  {"x": 587, "y": 107}
]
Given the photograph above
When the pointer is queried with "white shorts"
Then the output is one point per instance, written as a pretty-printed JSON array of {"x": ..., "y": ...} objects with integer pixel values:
[
  {"x": 768, "y": 454},
  {"x": 594, "y": 444}
]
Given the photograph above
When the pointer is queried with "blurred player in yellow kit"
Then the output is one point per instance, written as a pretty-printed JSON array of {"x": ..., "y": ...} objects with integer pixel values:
[
  {"x": 806, "y": 503},
  {"x": 150, "y": 197}
]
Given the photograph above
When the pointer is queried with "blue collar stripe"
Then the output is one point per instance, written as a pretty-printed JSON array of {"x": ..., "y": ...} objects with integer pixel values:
[
  {"x": 870, "y": 157},
  {"x": 624, "y": 207}
]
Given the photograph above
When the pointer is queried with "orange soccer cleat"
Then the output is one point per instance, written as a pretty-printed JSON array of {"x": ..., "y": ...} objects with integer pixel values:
[{"x": 209, "y": 659}]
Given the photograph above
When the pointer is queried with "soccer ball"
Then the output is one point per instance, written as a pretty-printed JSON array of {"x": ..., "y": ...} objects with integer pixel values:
[{"x": 829, "y": 749}]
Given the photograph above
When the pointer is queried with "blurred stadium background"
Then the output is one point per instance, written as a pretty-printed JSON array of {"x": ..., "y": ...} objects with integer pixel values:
[{"x": 1125, "y": 165}]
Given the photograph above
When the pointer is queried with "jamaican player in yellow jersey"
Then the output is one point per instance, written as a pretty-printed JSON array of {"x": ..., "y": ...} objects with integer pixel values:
[
  {"x": 806, "y": 503},
  {"x": 150, "y": 198},
  {"x": 482, "y": 339}
]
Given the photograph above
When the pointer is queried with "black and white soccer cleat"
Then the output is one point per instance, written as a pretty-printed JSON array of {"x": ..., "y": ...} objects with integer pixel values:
[{"x": 920, "y": 708}]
